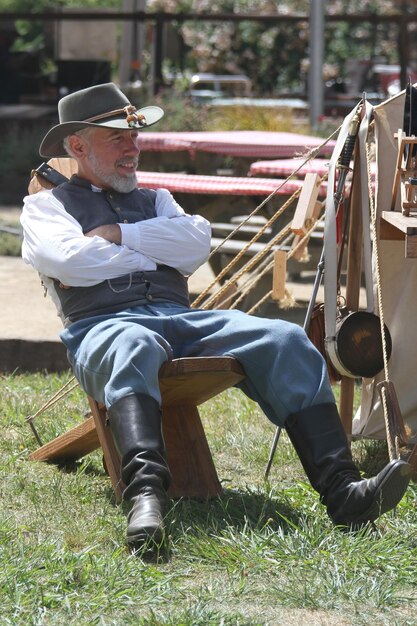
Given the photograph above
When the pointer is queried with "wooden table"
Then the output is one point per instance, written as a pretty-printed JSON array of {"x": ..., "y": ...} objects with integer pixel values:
[
  {"x": 208, "y": 151},
  {"x": 247, "y": 143},
  {"x": 296, "y": 166}
]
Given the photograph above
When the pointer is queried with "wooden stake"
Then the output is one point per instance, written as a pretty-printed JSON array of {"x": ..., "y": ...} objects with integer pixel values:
[
  {"x": 279, "y": 274},
  {"x": 300, "y": 250},
  {"x": 306, "y": 203}
]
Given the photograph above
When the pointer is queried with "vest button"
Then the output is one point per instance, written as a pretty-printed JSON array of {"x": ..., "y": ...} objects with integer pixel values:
[
  {"x": 125, "y": 221},
  {"x": 149, "y": 297}
]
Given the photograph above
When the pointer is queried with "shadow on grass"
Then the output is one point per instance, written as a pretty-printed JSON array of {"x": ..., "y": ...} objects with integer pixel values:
[
  {"x": 238, "y": 509},
  {"x": 82, "y": 466},
  {"x": 370, "y": 455},
  {"x": 373, "y": 455},
  {"x": 242, "y": 512}
]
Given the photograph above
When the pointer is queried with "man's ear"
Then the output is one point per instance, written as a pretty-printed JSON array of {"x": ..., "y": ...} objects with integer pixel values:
[{"x": 78, "y": 146}]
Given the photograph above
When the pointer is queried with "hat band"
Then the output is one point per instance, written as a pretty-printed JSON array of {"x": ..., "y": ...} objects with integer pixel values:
[{"x": 133, "y": 118}]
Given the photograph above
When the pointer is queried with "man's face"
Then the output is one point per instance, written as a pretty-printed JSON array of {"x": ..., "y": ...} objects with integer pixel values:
[{"x": 111, "y": 158}]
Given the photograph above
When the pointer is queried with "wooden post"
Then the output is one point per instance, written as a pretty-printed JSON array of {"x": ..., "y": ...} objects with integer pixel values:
[
  {"x": 353, "y": 281},
  {"x": 279, "y": 274},
  {"x": 306, "y": 203}
]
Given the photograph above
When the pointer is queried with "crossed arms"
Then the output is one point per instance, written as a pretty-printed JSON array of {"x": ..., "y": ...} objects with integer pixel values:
[{"x": 55, "y": 245}]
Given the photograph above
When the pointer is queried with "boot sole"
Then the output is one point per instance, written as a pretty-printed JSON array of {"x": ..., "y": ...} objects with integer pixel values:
[{"x": 388, "y": 495}]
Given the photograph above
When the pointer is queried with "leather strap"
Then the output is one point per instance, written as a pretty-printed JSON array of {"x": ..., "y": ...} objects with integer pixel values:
[
  {"x": 330, "y": 238},
  {"x": 366, "y": 219}
]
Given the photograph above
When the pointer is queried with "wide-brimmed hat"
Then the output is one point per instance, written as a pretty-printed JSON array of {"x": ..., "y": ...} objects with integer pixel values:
[{"x": 100, "y": 105}]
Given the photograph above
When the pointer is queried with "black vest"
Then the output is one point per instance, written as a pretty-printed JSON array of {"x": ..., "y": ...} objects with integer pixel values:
[{"x": 92, "y": 209}]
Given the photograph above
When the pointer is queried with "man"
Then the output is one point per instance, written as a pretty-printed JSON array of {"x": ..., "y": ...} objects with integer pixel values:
[{"x": 115, "y": 259}]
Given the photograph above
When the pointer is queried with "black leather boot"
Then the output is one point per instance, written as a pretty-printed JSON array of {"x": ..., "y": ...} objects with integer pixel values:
[
  {"x": 320, "y": 441},
  {"x": 135, "y": 423}
]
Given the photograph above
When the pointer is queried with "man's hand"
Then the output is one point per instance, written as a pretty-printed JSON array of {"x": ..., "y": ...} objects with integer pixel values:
[{"x": 110, "y": 232}]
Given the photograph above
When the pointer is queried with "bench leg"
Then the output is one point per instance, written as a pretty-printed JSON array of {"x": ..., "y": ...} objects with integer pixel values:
[
  {"x": 71, "y": 445},
  {"x": 110, "y": 454},
  {"x": 188, "y": 454}
]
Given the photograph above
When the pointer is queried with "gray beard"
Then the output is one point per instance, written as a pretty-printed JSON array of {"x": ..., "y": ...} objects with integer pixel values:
[{"x": 122, "y": 184}]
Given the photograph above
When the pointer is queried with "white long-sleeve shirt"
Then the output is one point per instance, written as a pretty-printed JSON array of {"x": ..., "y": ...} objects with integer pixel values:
[{"x": 55, "y": 245}]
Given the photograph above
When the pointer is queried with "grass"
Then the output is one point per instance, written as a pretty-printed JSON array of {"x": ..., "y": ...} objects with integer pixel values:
[
  {"x": 264, "y": 553},
  {"x": 10, "y": 245},
  {"x": 10, "y": 242},
  {"x": 19, "y": 154},
  {"x": 255, "y": 118}
]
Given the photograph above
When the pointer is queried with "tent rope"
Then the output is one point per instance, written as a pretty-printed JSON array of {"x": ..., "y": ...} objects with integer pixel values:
[
  {"x": 395, "y": 430},
  {"x": 308, "y": 156},
  {"x": 290, "y": 254}
]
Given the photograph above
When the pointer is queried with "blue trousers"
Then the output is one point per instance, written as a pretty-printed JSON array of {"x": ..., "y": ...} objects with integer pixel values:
[{"x": 119, "y": 354}]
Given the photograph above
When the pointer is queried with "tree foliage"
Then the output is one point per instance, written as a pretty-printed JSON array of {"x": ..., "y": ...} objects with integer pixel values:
[
  {"x": 275, "y": 56},
  {"x": 43, "y": 5}
]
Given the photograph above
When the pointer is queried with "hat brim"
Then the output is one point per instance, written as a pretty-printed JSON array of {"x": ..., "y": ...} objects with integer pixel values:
[{"x": 52, "y": 144}]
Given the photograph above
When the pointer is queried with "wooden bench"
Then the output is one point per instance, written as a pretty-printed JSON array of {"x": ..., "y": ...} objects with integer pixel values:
[{"x": 185, "y": 384}]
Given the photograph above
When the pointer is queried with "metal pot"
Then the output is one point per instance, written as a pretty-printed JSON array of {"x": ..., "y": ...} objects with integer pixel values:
[{"x": 357, "y": 346}]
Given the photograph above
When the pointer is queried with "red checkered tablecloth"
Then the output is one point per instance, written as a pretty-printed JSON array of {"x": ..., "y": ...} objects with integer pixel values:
[
  {"x": 286, "y": 167},
  {"x": 230, "y": 185},
  {"x": 245, "y": 143}
]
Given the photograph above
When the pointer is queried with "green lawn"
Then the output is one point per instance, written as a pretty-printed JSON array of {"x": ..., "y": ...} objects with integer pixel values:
[
  {"x": 10, "y": 240},
  {"x": 262, "y": 554}
]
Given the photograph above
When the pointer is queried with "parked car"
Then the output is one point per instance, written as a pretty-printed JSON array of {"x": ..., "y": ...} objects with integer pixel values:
[
  {"x": 388, "y": 78},
  {"x": 208, "y": 87},
  {"x": 224, "y": 90}
]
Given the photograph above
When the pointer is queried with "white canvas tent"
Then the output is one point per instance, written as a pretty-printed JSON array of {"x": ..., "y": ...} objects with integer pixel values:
[{"x": 398, "y": 288}]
